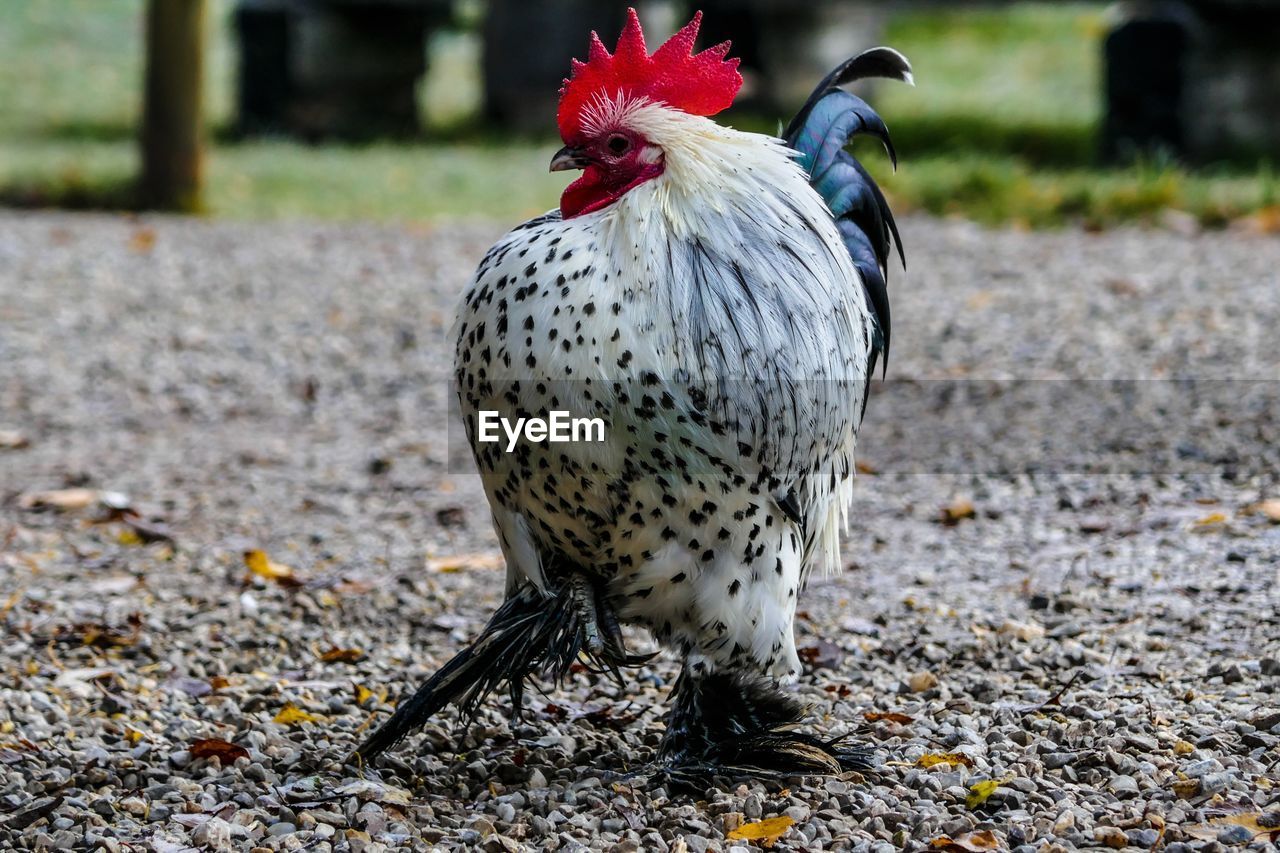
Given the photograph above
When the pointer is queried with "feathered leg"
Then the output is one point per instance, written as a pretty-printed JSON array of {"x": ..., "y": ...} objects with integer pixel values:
[
  {"x": 733, "y": 722},
  {"x": 531, "y": 633}
]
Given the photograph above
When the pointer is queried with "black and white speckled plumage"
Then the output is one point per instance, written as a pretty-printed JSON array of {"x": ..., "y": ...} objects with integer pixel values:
[{"x": 714, "y": 318}]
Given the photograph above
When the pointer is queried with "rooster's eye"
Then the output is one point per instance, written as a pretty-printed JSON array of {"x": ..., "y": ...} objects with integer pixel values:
[{"x": 618, "y": 143}]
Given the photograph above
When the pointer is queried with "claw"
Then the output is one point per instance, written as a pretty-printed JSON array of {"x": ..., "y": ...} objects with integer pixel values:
[{"x": 740, "y": 725}]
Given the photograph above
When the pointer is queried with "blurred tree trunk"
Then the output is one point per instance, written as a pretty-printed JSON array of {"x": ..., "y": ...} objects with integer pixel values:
[{"x": 172, "y": 112}]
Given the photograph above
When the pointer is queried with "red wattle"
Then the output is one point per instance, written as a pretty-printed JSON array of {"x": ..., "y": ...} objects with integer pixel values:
[{"x": 596, "y": 189}]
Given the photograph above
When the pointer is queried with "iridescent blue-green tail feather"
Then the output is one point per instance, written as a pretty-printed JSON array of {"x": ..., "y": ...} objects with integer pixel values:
[{"x": 826, "y": 123}]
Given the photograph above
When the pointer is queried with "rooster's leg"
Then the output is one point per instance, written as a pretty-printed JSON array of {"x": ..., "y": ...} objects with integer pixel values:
[{"x": 740, "y": 724}]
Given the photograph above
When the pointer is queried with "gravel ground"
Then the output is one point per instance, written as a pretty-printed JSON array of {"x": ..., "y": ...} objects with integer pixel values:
[{"x": 1062, "y": 569}]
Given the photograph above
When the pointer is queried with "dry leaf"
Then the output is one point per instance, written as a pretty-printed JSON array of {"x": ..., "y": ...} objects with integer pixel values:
[
  {"x": 363, "y": 694},
  {"x": 219, "y": 682},
  {"x": 458, "y": 562},
  {"x": 891, "y": 716},
  {"x": 956, "y": 511},
  {"x": 263, "y": 566},
  {"x": 821, "y": 654},
  {"x": 143, "y": 240},
  {"x": 336, "y": 655},
  {"x": 60, "y": 499},
  {"x": 929, "y": 759},
  {"x": 980, "y": 792},
  {"x": 1208, "y": 831},
  {"x": 292, "y": 715},
  {"x": 766, "y": 832},
  {"x": 213, "y": 747},
  {"x": 1212, "y": 519},
  {"x": 983, "y": 839}
]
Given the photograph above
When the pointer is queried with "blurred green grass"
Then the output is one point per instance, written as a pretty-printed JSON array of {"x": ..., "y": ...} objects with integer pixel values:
[{"x": 1000, "y": 128}]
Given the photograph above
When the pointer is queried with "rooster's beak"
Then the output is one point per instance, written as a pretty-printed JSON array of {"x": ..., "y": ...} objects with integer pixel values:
[{"x": 569, "y": 157}]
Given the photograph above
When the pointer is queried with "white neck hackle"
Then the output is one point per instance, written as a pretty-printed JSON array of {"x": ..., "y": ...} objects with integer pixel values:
[{"x": 712, "y": 174}]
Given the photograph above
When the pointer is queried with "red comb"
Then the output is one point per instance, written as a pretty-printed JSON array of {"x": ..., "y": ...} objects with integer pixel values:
[{"x": 700, "y": 84}]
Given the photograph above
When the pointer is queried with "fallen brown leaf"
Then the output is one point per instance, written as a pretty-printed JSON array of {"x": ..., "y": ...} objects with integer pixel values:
[
  {"x": 891, "y": 716},
  {"x": 337, "y": 655},
  {"x": 1208, "y": 831},
  {"x": 263, "y": 566},
  {"x": 765, "y": 832},
  {"x": 983, "y": 839},
  {"x": 821, "y": 654},
  {"x": 292, "y": 715},
  {"x": 362, "y": 694},
  {"x": 213, "y": 747}
]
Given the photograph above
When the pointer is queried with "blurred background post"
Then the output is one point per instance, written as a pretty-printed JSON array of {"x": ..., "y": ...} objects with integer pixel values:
[{"x": 173, "y": 114}]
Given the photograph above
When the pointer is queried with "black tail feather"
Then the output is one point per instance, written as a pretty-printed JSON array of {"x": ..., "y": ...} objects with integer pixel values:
[{"x": 531, "y": 633}]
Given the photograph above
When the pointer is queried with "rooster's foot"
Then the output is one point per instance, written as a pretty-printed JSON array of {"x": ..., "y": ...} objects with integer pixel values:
[{"x": 732, "y": 724}]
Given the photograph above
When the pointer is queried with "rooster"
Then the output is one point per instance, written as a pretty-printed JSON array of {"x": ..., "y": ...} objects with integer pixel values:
[{"x": 718, "y": 298}]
